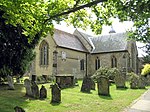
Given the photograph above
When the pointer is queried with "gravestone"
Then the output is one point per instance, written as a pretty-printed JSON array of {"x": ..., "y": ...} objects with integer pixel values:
[
  {"x": 27, "y": 84},
  {"x": 86, "y": 85},
  {"x": 10, "y": 83},
  {"x": 141, "y": 82},
  {"x": 120, "y": 80},
  {"x": 148, "y": 80},
  {"x": 134, "y": 82},
  {"x": 18, "y": 80},
  {"x": 92, "y": 85},
  {"x": 35, "y": 90},
  {"x": 103, "y": 86},
  {"x": 56, "y": 94},
  {"x": 19, "y": 109},
  {"x": 43, "y": 92}
]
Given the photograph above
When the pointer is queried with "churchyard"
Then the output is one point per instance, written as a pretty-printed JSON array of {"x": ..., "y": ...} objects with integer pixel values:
[{"x": 72, "y": 99}]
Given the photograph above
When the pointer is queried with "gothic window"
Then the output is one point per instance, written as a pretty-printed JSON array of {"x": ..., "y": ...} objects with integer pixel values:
[
  {"x": 113, "y": 62},
  {"x": 44, "y": 53},
  {"x": 97, "y": 63},
  {"x": 82, "y": 64}
]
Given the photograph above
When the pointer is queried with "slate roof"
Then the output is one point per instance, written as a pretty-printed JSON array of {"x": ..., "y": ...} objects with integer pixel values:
[
  {"x": 67, "y": 40},
  {"x": 110, "y": 43}
]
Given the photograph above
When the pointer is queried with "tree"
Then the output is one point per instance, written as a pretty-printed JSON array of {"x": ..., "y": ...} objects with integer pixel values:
[
  {"x": 32, "y": 19},
  {"x": 16, "y": 52},
  {"x": 39, "y": 15}
]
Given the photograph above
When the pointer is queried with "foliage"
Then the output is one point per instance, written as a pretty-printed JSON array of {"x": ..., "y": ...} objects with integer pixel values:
[
  {"x": 32, "y": 19},
  {"x": 102, "y": 71},
  {"x": 107, "y": 72},
  {"x": 16, "y": 52},
  {"x": 40, "y": 15},
  {"x": 146, "y": 59},
  {"x": 133, "y": 76},
  {"x": 113, "y": 72},
  {"x": 146, "y": 69},
  {"x": 72, "y": 100}
]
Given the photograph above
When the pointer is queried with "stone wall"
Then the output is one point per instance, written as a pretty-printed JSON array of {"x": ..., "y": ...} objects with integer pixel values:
[
  {"x": 71, "y": 65},
  {"x": 44, "y": 69},
  {"x": 105, "y": 60}
]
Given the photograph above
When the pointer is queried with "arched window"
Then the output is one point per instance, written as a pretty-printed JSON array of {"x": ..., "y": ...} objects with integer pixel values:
[
  {"x": 97, "y": 63},
  {"x": 82, "y": 64},
  {"x": 44, "y": 53},
  {"x": 113, "y": 62}
]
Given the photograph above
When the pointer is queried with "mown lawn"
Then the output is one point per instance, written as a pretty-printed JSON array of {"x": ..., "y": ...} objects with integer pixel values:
[{"x": 72, "y": 100}]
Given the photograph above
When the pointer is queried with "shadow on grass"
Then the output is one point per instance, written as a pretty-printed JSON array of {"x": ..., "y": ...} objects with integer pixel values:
[
  {"x": 55, "y": 104},
  {"x": 12, "y": 98},
  {"x": 106, "y": 97},
  {"x": 123, "y": 89}
]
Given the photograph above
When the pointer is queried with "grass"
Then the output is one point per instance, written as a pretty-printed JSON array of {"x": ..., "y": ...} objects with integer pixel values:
[{"x": 72, "y": 100}]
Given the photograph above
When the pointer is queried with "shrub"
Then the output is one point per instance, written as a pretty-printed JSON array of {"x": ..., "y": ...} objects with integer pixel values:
[
  {"x": 107, "y": 72},
  {"x": 146, "y": 69},
  {"x": 102, "y": 71}
]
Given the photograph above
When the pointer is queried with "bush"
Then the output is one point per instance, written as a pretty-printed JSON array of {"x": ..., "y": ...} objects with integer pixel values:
[
  {"x": 146, "y": 69},
  {"x": 107, "y": 72}
]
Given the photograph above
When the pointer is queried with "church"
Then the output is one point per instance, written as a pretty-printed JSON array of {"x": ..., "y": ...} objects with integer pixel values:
[{"x": 80, "y": 54}]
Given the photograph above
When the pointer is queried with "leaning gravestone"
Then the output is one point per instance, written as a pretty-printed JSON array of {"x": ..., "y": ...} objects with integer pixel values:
[
  {"x": 10, "y": 83},
  {"x": 43, "y": 92},
  {"x": 103, "y": 86},
  {"x": 86, "y": 85},
  {"x": 56, "y": 94},
  {"x": 120, "y": 80},
  {"x": 141, "y": 82},
  {"x": 35, "y": 90},
  {"x": 27, "y": 84}
]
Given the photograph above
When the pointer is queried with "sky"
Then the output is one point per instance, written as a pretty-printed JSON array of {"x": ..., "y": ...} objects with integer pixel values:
[{"x": 117, "y": 26}]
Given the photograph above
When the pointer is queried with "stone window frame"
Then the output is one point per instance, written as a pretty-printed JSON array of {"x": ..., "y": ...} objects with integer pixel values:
[
  {"x": 113, "y": 62},
  {"x": 97, "y": 63},
  {"x": 82, "y": 64},
  {"x": 44, "y": 53}
]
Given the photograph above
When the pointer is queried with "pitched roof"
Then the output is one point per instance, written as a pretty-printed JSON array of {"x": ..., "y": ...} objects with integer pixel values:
[
  {"x": 110, "y": 43},
  {"x": 67, "y": 40}
]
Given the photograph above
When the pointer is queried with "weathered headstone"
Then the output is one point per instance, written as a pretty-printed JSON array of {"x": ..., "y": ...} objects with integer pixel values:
[
  {"x": 19, "y": 109},
  {"x": 120, "y": 80},
  {"x": 134, "y": 82},
  {"x": 43, "y": 92},
  {"x": 141, "y": 82},
  {"x": 148, "y": 80},
  {"x": 56, "y": 94},
  {"x": 10, "y": 83},
  {"x": 86, "y": 85},
  {"x": 35, "y": 90},
  {"x": 103, "y": 86},
  {"x": 27, "y": 84}
]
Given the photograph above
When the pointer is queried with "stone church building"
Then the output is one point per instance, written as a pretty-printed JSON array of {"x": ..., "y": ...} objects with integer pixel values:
[{"x": 80, "y": 54}]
